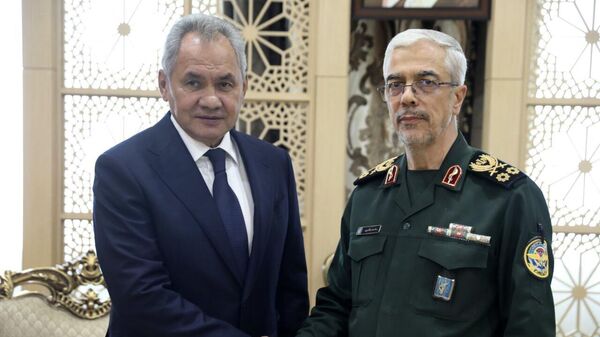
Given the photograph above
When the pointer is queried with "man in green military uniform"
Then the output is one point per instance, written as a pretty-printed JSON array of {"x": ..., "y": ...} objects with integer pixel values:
[{"x": 444, "y": 240}]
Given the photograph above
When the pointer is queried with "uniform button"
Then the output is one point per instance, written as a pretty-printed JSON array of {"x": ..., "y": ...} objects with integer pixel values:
[{"x": 406, "y": 226}]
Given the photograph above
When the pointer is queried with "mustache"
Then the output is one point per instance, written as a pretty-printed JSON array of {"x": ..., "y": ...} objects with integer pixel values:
[{"x": 411, "y": 113}]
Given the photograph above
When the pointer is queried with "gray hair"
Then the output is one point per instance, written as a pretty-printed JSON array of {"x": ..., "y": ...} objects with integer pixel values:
[
  {"x": 209, "y": 28},
  {"x": 456, "y": 62}
]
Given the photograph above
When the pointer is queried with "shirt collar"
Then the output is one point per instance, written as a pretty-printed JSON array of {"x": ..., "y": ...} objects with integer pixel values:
[{"x": 197, "y": 149}]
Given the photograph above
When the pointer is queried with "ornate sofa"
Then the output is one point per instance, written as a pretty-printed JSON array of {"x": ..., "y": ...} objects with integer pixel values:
[{"x": 67, "y": 300}]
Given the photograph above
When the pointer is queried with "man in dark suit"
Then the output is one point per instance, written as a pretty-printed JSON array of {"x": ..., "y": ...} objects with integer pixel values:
[{"x": 197, "y": 225}]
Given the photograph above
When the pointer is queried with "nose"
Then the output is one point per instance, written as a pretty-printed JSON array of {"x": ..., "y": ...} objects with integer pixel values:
[
  {"x": 408, "y": 97},
  {"x": 210, "y": 99}
]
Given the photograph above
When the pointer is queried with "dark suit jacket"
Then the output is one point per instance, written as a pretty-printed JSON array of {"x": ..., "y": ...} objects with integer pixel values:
[{"x": 164, "y": 251}]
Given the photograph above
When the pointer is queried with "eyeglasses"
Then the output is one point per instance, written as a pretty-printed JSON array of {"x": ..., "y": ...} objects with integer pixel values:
[{"x": 423, "y": 86}]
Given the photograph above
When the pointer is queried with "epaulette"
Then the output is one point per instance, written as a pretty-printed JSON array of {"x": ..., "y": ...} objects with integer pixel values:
[
  {"x": 375, "y": 171},
  {"x": 494, "y": 169}
]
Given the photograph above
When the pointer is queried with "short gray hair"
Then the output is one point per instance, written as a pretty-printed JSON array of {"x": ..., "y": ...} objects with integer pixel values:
[
  {"x": 209, "y": 28},
  {"x": 456, "y": 62}
]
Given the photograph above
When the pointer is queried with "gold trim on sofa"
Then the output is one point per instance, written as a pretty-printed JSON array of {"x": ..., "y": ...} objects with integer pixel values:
[{"x": 75, "y": 286}]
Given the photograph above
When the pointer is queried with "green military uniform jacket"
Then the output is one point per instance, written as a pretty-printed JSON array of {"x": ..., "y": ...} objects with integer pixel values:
[{"x": 385, "y": 272}]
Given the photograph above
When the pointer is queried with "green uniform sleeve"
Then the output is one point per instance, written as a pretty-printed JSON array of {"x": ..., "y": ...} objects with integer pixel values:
[
  {"x": 526, "y": 303},
  {"x": 329, "y": 317}
]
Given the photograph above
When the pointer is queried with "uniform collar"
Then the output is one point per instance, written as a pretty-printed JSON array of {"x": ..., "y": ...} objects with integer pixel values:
[{"x": 451, "y": 173}]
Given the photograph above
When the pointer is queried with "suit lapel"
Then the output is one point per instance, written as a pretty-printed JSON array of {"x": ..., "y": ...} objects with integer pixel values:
[
  {"x": 261, "y": 183},
  {"x": 175, "y": 166}
]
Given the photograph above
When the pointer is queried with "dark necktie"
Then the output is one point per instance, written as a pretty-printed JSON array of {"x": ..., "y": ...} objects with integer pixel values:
[{"x": 229, "y": 209}]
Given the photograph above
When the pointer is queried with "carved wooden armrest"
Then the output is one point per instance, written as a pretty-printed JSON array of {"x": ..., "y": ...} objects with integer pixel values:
[{"x": 77, "y": 286}]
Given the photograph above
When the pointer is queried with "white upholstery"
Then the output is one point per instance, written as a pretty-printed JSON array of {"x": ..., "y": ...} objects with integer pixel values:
[{"x": 34, "y": 317}]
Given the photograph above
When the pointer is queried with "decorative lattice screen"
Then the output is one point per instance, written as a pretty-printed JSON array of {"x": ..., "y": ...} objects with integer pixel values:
[{"x": 563, "y": 152}]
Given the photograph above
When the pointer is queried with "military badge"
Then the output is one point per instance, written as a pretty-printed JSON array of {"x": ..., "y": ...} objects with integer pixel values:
[
  {"x": 452, "y": 176},
  {"x": 375, "y": 171},
  {"x": 536, "y": 258},
  {"x": 443, "y": 288},
  {"x": 459, "y": 232},
  {"x": 459, "y": 227},
  {"x": 391, "y": 175},
  {"x": 494, "y": 169}
]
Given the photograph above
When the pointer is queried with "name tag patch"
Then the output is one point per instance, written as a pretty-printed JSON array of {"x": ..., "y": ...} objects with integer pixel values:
[{"x": 368, "y": 230}]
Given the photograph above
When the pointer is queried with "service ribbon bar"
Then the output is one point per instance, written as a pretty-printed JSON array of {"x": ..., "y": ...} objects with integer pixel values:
[{"x": 459, "y": 232}]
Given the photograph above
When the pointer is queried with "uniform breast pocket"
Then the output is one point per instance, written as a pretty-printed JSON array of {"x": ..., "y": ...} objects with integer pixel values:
[
  {"x": 459, "y": 265},
  {"x": 365, "y": 253}
]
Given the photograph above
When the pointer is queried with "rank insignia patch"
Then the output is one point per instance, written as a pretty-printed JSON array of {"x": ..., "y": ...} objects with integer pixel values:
[
  {"x": 375, "y": 171},
  {"x": 443, "y": 288},
  {"x": 494, "y": 169},
  {"x": 452, "y": 176},
  {"x": 391, "y": 175},
  {"x": 536, "y": 259}
]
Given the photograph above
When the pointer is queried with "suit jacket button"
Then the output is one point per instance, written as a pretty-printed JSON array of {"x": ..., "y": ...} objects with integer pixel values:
[{"x": 406, "y": 226}]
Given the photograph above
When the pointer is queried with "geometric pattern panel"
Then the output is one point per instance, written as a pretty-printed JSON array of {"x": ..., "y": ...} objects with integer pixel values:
[
  {"x": 281, "y": 124},
  {"x": 576, "y": 284},
  {"x": 93, "y": 124},
  {"x": 210, "y": 7},
  {"x": 566, "y": 50},
  {"x": 106, "y": 48},
  {"x": 276, "y": 34},
  {"x": 563, "y": 157},
  {"x": 115, "y": 44},
  {"x": 78, "y": 236}
]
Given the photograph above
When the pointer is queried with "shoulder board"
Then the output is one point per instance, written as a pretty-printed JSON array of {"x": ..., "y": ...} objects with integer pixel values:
[
  {"x": 375, "y": 171},
  {"x": 494, "y": 169}
]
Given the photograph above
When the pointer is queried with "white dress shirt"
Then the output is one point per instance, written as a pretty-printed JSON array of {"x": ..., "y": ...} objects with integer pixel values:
[{"x": 234, "y": 167}]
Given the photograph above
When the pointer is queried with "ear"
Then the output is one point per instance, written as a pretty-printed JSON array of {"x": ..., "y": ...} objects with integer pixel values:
[
  {"x": 459, "y": 93},
  {"x": 163, "y": 85}
]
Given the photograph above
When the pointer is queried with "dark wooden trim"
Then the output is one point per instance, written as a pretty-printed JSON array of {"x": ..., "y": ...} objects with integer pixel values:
[{"x": 481, "y": 13}]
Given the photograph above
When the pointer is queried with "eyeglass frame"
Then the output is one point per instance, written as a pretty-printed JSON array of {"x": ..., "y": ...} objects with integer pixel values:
[{"x": 424, "y": 83}]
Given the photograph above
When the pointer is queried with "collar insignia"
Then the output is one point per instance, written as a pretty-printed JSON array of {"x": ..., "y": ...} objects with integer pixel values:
[
  {"x": 391, "y": 176},
  {"x": 375, "y": 171},
  {"x": 452, "y": 176}
]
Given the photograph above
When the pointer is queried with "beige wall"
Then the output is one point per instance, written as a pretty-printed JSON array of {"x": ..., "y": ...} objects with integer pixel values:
[
  {"x": 331, "y": 76},
  {"x": 504, "y": 119},
  {"x": 41, "y": 123}
]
